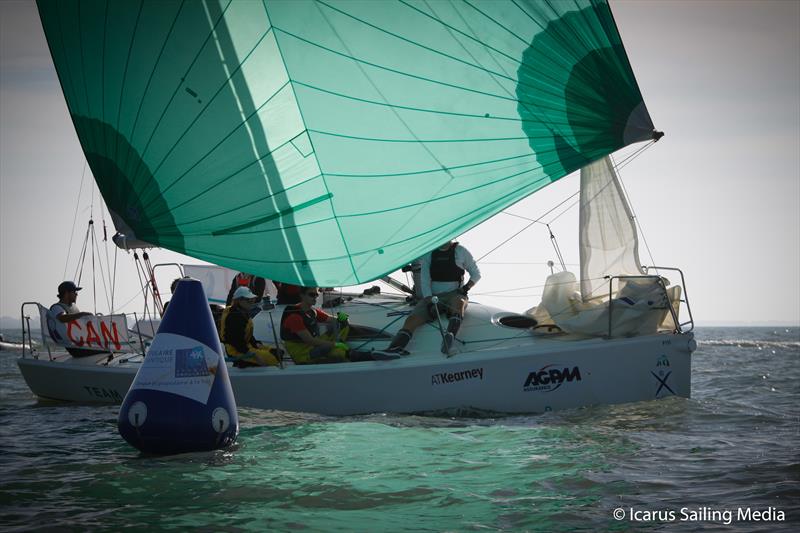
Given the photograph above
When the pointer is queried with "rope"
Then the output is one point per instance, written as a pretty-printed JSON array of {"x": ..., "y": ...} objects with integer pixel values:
[
  {"x": 74, "y": 220},
  {"x": 630, "y": 205},
  {"x": 556, "y": 248}
]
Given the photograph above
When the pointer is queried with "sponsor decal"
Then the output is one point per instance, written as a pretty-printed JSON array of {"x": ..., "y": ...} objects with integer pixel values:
[
  {"x": 179, "y": 365},
  {"x": 101, "y": 392},
  {"x": 190, "y": 363},
  {"x": 662, "y": 378},
  {"x": 549, "y": 378},
  {"x": 454, "y": 377}
]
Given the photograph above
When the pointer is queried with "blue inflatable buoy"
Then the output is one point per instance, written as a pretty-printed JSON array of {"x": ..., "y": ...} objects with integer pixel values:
[{"x": 181, "y": 399}]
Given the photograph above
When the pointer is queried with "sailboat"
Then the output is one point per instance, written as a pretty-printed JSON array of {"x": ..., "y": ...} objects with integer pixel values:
[{"x": 327, "y": 144}]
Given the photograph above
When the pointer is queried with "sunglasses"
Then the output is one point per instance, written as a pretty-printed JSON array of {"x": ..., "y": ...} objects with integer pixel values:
[{"x": 312, "y": 294}]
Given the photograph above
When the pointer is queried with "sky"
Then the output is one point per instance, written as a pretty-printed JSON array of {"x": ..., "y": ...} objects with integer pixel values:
[{"x": 718, "y": 196}]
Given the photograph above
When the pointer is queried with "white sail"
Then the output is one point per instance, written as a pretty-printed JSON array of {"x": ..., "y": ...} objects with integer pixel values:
[{"x": 609, "y": 244}]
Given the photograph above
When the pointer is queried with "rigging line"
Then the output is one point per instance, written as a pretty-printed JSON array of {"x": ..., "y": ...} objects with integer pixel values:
[
  {"x": 225, "y": 84},
  {"x": 166, "y": 108},
  {"x": 627, "y": 160},
  {"x": 114, "y": 280},
  {"x": 150, "y": 80},
  {"x": 81, "y": 258},
  {"x": 96, "y": 248},
  {"x": 211, "y": 151},
  {"x": 143, "y": 283},
  {"x": 536, "y": 221},
  {"x": 74, "y": 220},
  {"x": 633, "y": 213},
  {"x": 440, "y": 53},
  {"x": 94, "y": 276},
  {"x": 557, "y": 249}
]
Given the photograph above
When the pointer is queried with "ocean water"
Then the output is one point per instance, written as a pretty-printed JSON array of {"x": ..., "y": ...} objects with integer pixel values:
[{"x": 728, "y": 459}]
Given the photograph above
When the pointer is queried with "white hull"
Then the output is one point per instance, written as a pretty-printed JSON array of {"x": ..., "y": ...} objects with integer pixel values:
[{"x": 518, "y": 374}]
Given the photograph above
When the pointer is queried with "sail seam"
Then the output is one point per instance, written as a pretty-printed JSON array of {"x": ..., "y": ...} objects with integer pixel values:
[
  {"x": 252, "y": 202},
  {"x": 135, "y": 174},
  {"x": 313, "y": 150},
  {"x": 125, "y": 77},
  {"x": 211, "y": 100},
  {"x": 147, "y": 88},
  {"x": 274, "y": 216},
  {"x": 211, "y": 151}
]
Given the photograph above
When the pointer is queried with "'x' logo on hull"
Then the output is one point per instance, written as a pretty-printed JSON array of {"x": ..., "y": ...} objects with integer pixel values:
[{"x": 663, "y": 382}]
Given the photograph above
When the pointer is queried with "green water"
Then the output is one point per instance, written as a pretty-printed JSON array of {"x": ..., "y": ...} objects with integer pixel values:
[{"x": 733, "y": 444}]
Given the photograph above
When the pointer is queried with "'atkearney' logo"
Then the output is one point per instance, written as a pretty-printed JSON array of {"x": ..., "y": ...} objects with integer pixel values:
[
  {"x": 549, "y": 380},
  {"x": 452, "y": 377}
]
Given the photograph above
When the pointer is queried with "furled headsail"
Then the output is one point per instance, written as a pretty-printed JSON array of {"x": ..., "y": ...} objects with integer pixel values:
[{"x": 327, "y": 142}]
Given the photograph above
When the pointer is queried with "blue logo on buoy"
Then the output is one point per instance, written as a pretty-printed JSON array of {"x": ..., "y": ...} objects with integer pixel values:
[{"x": 181, "y": 399}]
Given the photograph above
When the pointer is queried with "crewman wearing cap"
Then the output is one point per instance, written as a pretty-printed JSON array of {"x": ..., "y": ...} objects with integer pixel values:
[
  {"x": 236, "y": 332},
  {"x": 65, "y": 310}
]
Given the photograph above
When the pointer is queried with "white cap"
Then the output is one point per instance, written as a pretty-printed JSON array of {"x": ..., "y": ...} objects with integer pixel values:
[{"x": 243, "y": 292}]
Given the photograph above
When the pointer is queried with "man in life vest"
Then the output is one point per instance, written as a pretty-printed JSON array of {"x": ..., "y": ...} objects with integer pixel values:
[
  {"x": 236, "y": 332},
  {"x": 256, "y": 285},
  {"x": 441, "y": 274},
  {"x": 300, "y": 331},
  {"x": 65, "y": 311}
]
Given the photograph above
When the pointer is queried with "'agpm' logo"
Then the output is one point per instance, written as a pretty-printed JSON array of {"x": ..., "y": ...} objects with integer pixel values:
[{"x": 549, "y": 380}]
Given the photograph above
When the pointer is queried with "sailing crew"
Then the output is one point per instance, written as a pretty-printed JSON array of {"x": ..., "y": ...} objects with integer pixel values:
[
  {"x": 256, "y": 285},
  {"x": 236, "y": 332},
  {"x": 65, "y": 310},
  {"x": 287, "y": 293},
  {"x": 300, "y": 331},
  {"x": 441, "y": 274}
]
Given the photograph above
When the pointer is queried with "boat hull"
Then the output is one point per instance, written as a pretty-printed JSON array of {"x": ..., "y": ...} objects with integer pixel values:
[{"x": 530, "y": 378}]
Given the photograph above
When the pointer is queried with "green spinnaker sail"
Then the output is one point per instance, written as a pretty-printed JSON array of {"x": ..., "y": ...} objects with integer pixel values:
[{"x": 327, "y": 142}]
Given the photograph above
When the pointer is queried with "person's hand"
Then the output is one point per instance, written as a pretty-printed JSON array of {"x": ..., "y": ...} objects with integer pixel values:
[
  {"x": 342, "y": 317},
  {"x": 342, "y": 346}
]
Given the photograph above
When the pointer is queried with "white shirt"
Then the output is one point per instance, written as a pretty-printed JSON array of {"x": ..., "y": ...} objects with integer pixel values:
[
  {"x": 59, "y": 308},
  {"x": 462, "y": 258}
]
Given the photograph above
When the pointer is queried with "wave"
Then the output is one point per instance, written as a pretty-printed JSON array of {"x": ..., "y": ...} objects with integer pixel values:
[{"x": 741, "y": 343}]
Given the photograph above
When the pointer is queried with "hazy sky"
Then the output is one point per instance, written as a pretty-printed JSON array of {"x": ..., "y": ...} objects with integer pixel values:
[{"x": 718, "y": 196}]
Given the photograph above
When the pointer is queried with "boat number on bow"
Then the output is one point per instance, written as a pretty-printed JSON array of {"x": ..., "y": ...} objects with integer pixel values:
[
  {"x": 453, "y": 377},
  {"x": 548, "y": 379}
]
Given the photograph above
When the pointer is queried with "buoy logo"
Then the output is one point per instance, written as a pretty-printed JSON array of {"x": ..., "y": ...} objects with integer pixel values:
[
  {"x": 137, "y": 414},
  {"x": 220, "y": 419},
  {"x": 190, "y": 363}
]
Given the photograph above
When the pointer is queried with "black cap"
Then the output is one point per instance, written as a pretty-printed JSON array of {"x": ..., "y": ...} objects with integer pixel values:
[{"x": 67, "y": 286}]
